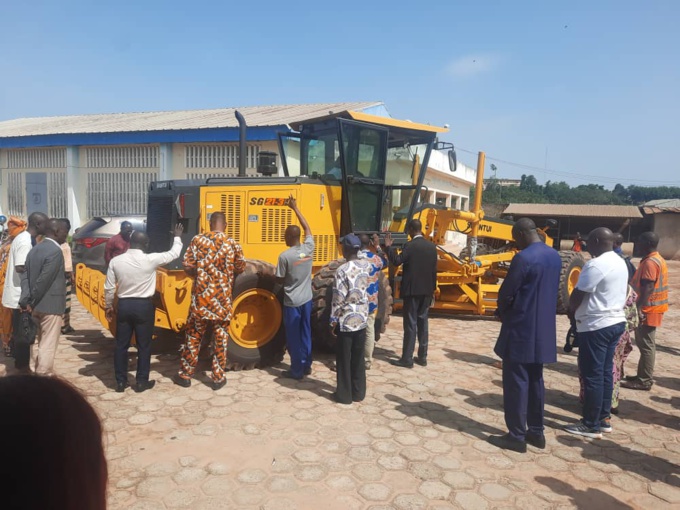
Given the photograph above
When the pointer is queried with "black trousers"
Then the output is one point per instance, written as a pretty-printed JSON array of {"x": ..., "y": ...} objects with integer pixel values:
[
  {"x": 350, "y": 366},
  {"x": 523, "y": 398},
  {"x": 415, "y": 313},
  {"x": 22, "y": 349},
  {"x": 135, "y": 315}
]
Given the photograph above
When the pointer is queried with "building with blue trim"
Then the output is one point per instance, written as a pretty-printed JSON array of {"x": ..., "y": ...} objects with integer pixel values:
[{"x": 84, "y": 166}]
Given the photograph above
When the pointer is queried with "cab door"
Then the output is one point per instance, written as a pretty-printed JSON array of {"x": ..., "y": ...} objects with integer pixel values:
[{"x": 363, "y": 156}]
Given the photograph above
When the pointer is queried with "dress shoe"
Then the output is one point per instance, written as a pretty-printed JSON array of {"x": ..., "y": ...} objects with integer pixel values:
[
  {"x": 420, "y": 361},
  {"x": 181, "y": 381},
  {"x": 401, "y": 363},
  {"x": 637, "y": 384},
  {"x": 334, "y": 398},
  {"x": 120, "y": 387},
  {"x": 218, "y": 385},
  {"x": 141, "y": 387},
  {"x": 615, "y": 410},
  {"x": 287, "y": 374},
  {"x": 631, "y": 378},
  {"x": 67, "y": 330},
  {"x": 507, "y": 443},
  {"x": 535, "y": 440},
  {"x": 308, "y": 371}
]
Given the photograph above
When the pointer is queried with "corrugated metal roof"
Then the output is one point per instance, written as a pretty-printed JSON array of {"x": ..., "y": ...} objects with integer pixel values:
[
  {"x": 664, "y": 203},
  {"x": 580, "y": 210},
  {"x": 276, "y": 115}
]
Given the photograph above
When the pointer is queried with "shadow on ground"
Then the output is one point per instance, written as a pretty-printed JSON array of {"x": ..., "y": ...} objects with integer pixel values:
[
  {"x": 441, "y": 415},
  {"x": 589, "y": 498}
]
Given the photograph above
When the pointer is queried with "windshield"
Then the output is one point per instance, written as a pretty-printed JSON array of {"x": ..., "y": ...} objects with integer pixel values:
[{"x": 402, "y": 177}]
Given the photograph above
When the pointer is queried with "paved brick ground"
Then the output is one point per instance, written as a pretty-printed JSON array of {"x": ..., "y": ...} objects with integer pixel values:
[{"x": 416, "y": 442}]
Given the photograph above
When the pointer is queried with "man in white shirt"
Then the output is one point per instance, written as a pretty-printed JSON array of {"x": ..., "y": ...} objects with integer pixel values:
[
  {"x": 596, "y": 307},
  {"x": 132, "y": 276},
  {"x": 11, "y": 294}
]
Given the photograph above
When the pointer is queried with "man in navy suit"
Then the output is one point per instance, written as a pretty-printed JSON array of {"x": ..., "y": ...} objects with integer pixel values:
[
  {"x": 418, "y": 283},
  {"x": 527, "y": 302}
]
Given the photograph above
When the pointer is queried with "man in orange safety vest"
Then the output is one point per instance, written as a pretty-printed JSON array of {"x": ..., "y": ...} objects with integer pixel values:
[{"x": 651, "y": 284}]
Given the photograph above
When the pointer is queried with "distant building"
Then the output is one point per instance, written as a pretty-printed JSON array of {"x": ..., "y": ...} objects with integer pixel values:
[
  {"x": 84, "y": 166},
  {"x": 579, "y": 218},
  {"x": 665, "y": 221}
]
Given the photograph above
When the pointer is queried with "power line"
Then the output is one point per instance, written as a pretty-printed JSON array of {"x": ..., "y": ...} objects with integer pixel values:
[{"x": 584, "y": 177}]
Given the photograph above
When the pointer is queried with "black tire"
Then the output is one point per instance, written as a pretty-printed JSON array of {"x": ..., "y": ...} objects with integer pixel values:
[
  {"x": 482, "y": 249},
  {"x": 572, "y": 263},
  {"x": 257, "y": 275},
  {"x": 322, "y": 296}
]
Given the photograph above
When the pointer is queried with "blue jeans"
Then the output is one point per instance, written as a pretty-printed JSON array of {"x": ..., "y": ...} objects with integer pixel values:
[
  {"x": 595, "y": 361},
  {"x": 297, "y": 322}
]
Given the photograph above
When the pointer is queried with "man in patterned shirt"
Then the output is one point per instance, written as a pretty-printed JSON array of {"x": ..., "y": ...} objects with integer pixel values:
[
  {"x": 349, "y": 314},
  {"x": 213, "y": 259}
]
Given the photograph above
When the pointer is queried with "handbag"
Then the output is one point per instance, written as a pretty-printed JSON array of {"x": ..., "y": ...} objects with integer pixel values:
[{"x": 28, "y": 329}]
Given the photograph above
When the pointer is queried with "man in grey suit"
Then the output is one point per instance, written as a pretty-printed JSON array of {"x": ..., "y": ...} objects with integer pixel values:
[{"x": 43, "y": 293}]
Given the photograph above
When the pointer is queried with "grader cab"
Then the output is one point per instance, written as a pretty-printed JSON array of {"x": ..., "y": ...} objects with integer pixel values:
[{"x": 348, "y": 172}]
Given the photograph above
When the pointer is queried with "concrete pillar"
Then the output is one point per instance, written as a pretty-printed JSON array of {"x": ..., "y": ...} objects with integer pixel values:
[
  {"x": 76, "y": 189},
  {"x": 3, "y": 181},
  {"x": 165, "y": 168}
]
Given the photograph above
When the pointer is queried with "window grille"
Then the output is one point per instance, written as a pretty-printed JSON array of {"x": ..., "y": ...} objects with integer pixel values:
[
  {"x": 57, "y": 206},
  {"x": 36, "y": 158},
  {"x": 118, "y": 193},
  {"x": 142, "y": 156},
  {"x": 218, "y": 156},
  {"x": 15, "y": 193}
]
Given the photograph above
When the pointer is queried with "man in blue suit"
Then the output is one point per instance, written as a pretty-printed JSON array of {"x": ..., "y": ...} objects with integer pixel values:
[{"x": 527, "y": 302}]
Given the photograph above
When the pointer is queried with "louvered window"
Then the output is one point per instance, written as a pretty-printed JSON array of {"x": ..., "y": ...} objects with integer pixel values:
[
  {"x": 218, "y": 156},
  {"x": 36, "y": 158},
  {"x": 118, "y": 193},
  {"x": 142, "y": 156}
]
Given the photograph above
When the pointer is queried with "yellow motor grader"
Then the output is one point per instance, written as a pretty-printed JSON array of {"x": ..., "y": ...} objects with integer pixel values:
[{"x": 349, "y": 172}]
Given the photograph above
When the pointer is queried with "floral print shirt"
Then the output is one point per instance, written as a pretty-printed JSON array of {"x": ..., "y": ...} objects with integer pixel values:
[
  {"x": 349, "y": 308},
  {"x": 217, "y": 259}
]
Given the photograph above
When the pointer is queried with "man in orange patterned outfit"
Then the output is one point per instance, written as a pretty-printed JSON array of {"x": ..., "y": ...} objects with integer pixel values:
[{"x": 213, "y": 259}]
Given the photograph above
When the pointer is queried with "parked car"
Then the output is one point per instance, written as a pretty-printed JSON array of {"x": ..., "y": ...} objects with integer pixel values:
[{"x": 89, "y": 242}]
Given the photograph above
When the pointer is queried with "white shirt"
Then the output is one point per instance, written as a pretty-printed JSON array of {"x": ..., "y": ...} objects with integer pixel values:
[
  {"x": 18, "y": 251},
  {"x": 605, "y": 280},
  {"x": 135, "y": 272}
]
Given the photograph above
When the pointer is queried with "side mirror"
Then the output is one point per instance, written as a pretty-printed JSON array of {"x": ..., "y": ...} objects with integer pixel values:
[{"x": 453, "y": 162}]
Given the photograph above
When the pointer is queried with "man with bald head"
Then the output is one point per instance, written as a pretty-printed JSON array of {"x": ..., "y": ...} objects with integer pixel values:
[
  {"x": 294, "y": 272},
  {"x": 43, "y": 293},
  {"x": 213, "y": 259},
  {"x": 596, "y": 307},
  {"x": 651, "y": 284},
  {"x": 132, "y": 277},
  {"x": 527, "y": 301}
]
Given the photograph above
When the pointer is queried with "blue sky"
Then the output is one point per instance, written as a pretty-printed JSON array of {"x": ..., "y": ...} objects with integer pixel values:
[{"x": 595, "y": 85}]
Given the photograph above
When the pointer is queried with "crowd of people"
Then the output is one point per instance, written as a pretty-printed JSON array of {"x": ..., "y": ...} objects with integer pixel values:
[
  {"x": 37, "y": 276},
  {"x": 213, "y": 260},
  {"x": 609, "y": 303}
]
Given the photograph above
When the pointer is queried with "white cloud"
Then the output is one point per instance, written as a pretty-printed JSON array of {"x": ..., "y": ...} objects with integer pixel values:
[{"x": 473, "y": 65}]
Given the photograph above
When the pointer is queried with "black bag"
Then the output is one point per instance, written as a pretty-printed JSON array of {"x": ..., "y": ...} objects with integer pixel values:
[{"x": 27, "y": 330}]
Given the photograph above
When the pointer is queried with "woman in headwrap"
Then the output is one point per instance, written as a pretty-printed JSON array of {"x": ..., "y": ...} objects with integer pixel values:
[{"x": 15, "y": 226}]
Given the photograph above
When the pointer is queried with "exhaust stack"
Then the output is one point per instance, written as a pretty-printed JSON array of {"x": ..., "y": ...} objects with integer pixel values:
[{"x": 242, "y": 151}]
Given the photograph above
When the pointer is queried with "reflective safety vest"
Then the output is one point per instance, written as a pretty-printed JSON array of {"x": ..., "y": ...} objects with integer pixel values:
[{"x": 658, "y": 300}]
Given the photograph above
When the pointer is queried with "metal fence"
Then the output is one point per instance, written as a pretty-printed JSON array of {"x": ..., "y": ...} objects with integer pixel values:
[{"x": 118, "y": 193}]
